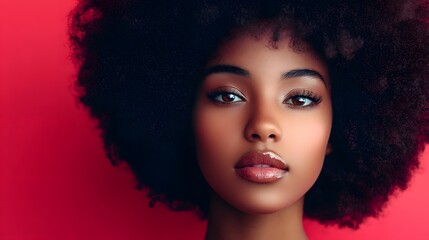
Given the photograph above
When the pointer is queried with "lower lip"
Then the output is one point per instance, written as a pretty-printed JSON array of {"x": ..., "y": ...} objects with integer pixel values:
[{"x": 261, "y": 174}]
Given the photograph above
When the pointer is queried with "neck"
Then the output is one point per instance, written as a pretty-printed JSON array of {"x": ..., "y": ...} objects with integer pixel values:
[{"x": 226, "y": 222}]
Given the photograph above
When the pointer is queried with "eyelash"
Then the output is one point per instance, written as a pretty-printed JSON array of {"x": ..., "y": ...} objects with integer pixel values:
[
  {"x": 214, "y": 94},
  {"x": 302, "y": 93},
  {"x": 298, "y": 93}
]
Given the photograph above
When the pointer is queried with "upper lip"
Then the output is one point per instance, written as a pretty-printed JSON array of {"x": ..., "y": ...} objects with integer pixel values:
[{"x": 261, "y": 157}]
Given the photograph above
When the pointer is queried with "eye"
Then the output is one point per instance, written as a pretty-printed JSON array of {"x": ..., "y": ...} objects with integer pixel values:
[
  {"x": 224, "y": 96},
  {"x": 299, "y": 101},
  {"x": 302, "y": 99}
]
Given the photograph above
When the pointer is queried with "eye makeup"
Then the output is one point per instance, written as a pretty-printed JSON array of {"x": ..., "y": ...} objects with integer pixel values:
[
  {"x": 297, "y": 98},
  {"x": 225, "y": 95},
  {"x": 302, "y": 98}
]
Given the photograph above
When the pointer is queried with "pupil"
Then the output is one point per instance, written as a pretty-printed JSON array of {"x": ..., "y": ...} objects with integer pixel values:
[
  {"x": 228, "y": 97},
  {"x": 298, "y": 101}
]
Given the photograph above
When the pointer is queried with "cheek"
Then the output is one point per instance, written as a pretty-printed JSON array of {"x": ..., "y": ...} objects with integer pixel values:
[
  {"x": 305, "y": 144},
  {"x": 217, "y": 137},
  {"x": 309, "y": 138},
  {"x": 214, "y": 130}
]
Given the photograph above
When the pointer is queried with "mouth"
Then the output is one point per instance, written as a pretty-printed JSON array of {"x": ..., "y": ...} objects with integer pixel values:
[{"x": 261, "y": 167}]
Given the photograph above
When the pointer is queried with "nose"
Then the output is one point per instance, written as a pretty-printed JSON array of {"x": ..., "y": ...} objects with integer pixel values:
[{"x": 263, "y": 126}]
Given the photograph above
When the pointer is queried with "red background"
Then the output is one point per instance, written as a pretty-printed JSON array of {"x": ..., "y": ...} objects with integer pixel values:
[{"x": 56, "y": 183}]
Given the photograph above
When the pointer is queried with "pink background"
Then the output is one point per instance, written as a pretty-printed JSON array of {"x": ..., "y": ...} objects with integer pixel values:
[{"x": 56, "y": 183}]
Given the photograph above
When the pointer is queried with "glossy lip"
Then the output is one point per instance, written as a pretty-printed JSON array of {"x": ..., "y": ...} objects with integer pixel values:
[{"x": 261, "y": 167}]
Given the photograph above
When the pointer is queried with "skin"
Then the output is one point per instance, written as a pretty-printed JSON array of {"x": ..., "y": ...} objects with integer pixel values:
[{"x": 246, "y": 103}]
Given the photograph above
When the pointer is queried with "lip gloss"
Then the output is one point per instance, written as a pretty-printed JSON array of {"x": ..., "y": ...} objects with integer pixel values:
[{"x": 261, "y": 167}]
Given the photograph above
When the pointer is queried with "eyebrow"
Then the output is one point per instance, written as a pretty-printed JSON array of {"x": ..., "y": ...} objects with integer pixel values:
[
  {"x": 224, "y": 68},
  {"x": 303, "y": 73}
]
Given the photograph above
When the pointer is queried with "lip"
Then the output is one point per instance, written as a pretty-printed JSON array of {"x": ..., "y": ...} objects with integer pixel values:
[{"x": 261, "y": 167}]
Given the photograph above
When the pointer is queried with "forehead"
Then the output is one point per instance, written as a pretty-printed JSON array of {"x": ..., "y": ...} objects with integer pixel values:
[{"x": 260, "y": 54}]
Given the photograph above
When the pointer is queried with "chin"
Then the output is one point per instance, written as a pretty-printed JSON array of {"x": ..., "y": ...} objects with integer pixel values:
[
  {"x": 261, "y": 205},
  {"x": 261, "y": 210}
]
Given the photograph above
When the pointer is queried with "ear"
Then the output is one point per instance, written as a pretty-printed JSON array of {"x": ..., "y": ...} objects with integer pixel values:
[{"x": 328, "y": 149}]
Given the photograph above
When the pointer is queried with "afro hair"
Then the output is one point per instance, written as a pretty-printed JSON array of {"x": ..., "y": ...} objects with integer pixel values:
[{"x": 140, "y": 63}]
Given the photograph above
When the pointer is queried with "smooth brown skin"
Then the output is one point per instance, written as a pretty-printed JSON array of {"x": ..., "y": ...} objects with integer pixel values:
[{"x": 261, "y": 116}]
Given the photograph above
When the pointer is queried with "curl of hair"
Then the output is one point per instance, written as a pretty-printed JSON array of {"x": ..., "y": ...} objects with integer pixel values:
[{"x": 139, "y": 66}]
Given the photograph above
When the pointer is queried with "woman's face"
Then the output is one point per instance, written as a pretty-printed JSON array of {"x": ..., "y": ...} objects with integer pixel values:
[{"x": 262, "y": 122}]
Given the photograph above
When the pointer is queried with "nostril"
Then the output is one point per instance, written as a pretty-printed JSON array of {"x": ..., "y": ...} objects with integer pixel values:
[
  {"x": 272, "y": 136},
  {"x": 255, "y": 136}
]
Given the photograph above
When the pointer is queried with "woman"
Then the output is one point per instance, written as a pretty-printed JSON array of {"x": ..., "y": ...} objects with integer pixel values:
[{"x": 233, "y": 109}]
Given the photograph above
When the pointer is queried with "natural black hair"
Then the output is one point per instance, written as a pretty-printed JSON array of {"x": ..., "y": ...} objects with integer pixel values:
[{"x": 140, "y": 63}]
